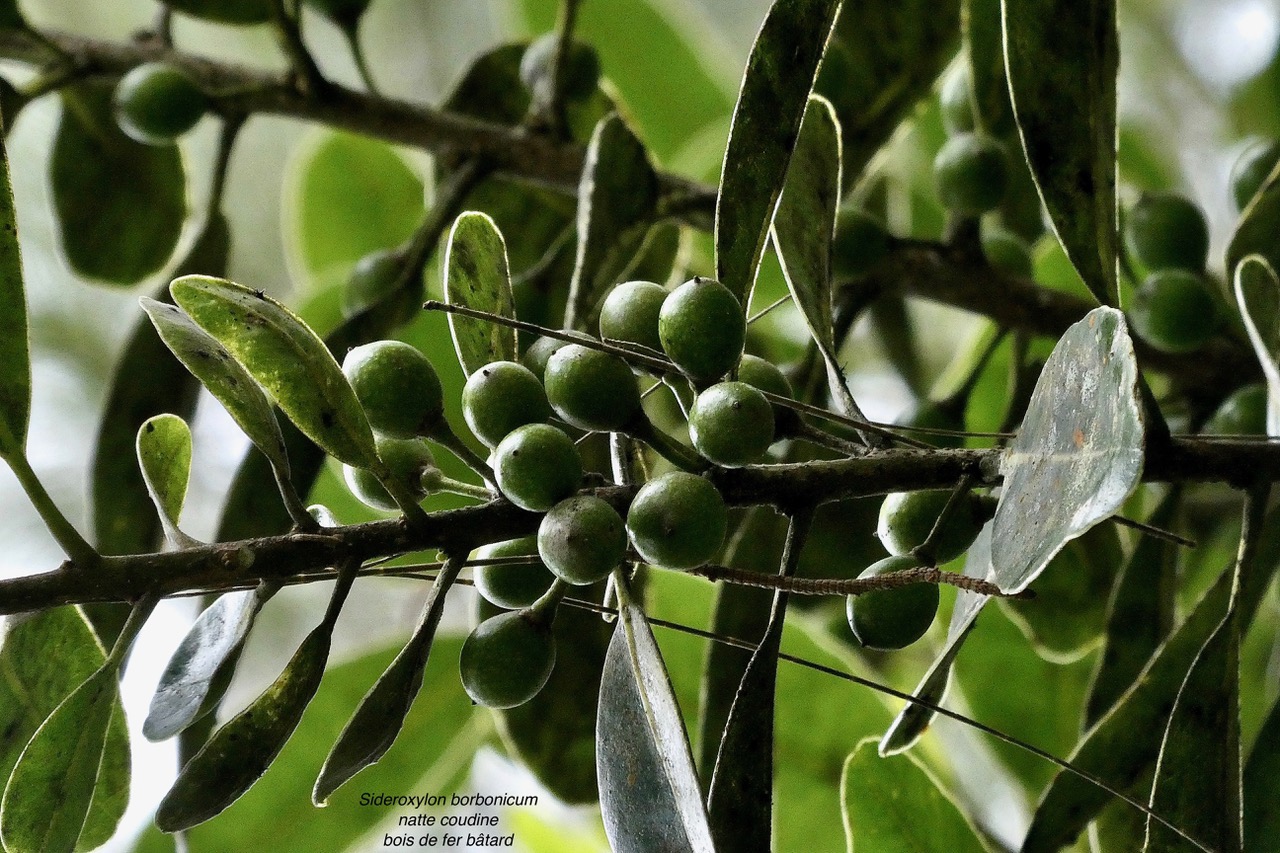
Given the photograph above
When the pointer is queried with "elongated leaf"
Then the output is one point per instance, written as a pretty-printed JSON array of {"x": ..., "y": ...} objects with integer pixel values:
[
  {"x": 895, "y": 805},
  {"x": 202, "y": 663},
  {"x": 617, "y": 200},
  {"x": 164, "y": 455},
  {"x": 766, "y": 121},
  {"x": 15, "y": 355},
  {"x": 1139, "y": 613},
  {"x": 119, "y": 204},
  {"x": 241, "y": 751},
  {"x": 1078, "y": 454},
  {"x": 287, "y": 359},
  {"x": 224, "y": 377},
  {"x": 1256, "y": 228},
  {"x": 476, "y": 275},
  {"x": 984, "y": 39},
  {"x": 47, "y": 799},
  {"x": 1061, "y": 52},
  {"x": 1261, "y": 808},
  {"x": 123, "y": 519},
  {"x": 1257, "y": 293},
  {"x": 649, "y": 794}
]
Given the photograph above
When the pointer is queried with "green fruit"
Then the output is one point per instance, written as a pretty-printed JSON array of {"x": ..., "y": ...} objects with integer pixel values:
[
  {"x": 397, "y": 386},
  {"x": 406, "y": 458},
  {"x": 539, "y": 353},
  {"x": 582, "y": 539},
  {"x": 1174, "y": 311},
  {"x": 590, "y": 389},
  {"x": 861, "y": 242},
  {"x": 677, "y": 520},
  {"x": 1244, "y": 412},
  {"x": 892, "y": 618},
  {"x": 906, "y": 518},
  {"x": 1166, "y": 231},
  {"x": 731, "y": 424},
  {"x": 630, "y": 313},
  {"x": 537, "y": 466},
  {"x": 971, "y": 174},
  {"x": 225, "y": 11},
  {"x": 372, "y": 280},
  {"x": 506, "y": 660},
  {"x": 1252, "y": 169},
  {"x": 928, "y": 415},
  {"x": 702, "y": 329},
  {"x": 1007, "y": 252},
  {"x": 765, "y": 375},
  {"x": 580, "y": 77},
  {"x": 501, "y": 396},
  {"x": 344, "y": 13},
  {"x": 156, "y": 103},
  {"x": 514, "y": 586},
  {"x": 955, "y": 102}
]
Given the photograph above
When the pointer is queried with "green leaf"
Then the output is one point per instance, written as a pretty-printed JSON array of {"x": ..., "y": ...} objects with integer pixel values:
[
  {"x": 1078, "y": 454},
  {"x": 241, "y": 751},
  {"x": 15, "y": 354},
  {"x": 124, "y": 521},
  {"x": 990, "y": 88},
  {"x": 1255, "y": 230},
  {"x": 218, "y": 371},
  {"x": 1059, "y": 53},
  {"x": 1261, "y": 807},
  {"x": 48, "y": 797},
  {"x": 617, "y": 201},
  {"x": 895, "y": 805},
  {"x": 201, "y": 667},
  {"x": 119, "y": 204},
  {"x": 346, "y": 196},
  {"x": 649, "y": 794},
  {"x": 287, "y": 359},
  {"x": 225, "y": 11},
  {"x": 1257, "y": 293},
  {"x": 164, "y": 455},
  {"x": 1139, "y": 612},
  {"x": 476, "y": 276},
  {"x": 766, "y": 121},
  {"x": 883, "y": 58}
]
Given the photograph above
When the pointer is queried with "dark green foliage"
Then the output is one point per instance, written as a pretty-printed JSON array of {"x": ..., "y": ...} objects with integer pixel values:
[
  {"x": 677, "y": 520},
  {"x": 892, "y": 618},
  {"x": 861, "y": 241}
]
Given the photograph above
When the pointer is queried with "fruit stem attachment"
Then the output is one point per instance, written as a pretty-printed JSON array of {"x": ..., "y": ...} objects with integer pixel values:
[
  {"x": 927, "y": 551},
  {"x": 673, "y": 451},
  {"x": 82, "y": 554},
  {"x": 543, "y": 611},
  {"x": 442, "y": 434},
  {"x": 457, "y": 487}
]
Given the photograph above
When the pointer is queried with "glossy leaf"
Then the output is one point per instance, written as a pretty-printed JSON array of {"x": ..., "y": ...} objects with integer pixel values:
[
  {"x": 15, "y": 353},
  {"x": 48, "y": 797},
  {"x": 1060, "y": 52},
  {"x": 164, "y": 455},
  {"x": 123, "y": 519},
  {"x": 201, "y": 666},
  {"x": 119, "y": 204},
  {"x": 895, "y": 805},
  {"x": 1261, "y": 808},
  {"x": 1078, "y": 454},
  {"x": 287, "y": 359},
  {"x": 649, "y": 794},
  {"x": 224, "y": 377},
  {"x": 476, "y": 276},
  {"x": 766, "y": 121},
  {"x": 617, "y": 201},
  {"x": 1257, "y": 293}
]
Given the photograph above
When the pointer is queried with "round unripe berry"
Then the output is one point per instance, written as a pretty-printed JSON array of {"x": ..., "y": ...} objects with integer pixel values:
[
  {"x": 1167, "y": 231},
  {"x": 892, "y": 618},
  {"x": 513, "y": 586},
  {"x": 501, "y": 396},
  {"x": 630, "y": 313},
  {"x": 1174, "y": 311},
  {"x": 954, "y": 101},
  {"x": 702, "y": 329},
  {"x": 506, "y": 660},
  {"x": 906, "y": 518},
  {"x": 537, "y": 466},
  {"x": 677, "y": 520},
  {"x": 1244, "y": 412},
  {"x": 539, "y": 353},
  {"x": 590, "y": 389},
  {"x": 580, "y": 77},
  {"x": 1252, "y": 169},
  {"x": 406, "y": 458},
  {"x": 582, "y": 539},
  {"x": 1007, "y": 252},
  {"x": 731, "y": 424},
  {"x": 971, "y": 173},
  {"x": 156, "y": 103},
  {"x": 765, "y": 375},
  {"x": 397, "y": 386},
  {"x": 373, "y": 278},
  {"x": 861, "y": 241}
]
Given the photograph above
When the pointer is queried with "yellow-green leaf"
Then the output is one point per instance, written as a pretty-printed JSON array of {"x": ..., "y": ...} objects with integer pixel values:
[
  {"x": 476, "y": 276},
  {"x": 15, "y": 355},
  {"x": 164, "y": 455}
]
